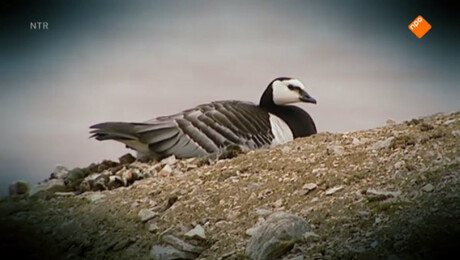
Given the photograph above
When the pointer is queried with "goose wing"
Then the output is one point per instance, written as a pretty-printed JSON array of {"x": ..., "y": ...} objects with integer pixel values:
[{"x": 197, "y": 132}]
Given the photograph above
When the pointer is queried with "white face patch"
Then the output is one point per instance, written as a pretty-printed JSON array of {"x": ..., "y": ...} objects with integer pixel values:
[{"x": 283, "y": 95}]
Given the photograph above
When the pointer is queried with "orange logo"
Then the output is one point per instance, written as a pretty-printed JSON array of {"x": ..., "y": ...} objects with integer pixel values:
[{"x": 419, "y": 26}]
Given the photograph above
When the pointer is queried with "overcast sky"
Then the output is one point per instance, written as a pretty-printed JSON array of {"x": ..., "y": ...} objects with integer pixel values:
[{"x": 135, "y": 60}]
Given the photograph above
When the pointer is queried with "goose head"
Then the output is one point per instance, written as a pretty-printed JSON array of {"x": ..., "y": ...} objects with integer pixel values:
[{"x": 283, "y": 91}]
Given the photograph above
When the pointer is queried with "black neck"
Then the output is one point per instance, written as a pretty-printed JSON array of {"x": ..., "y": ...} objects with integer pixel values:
[
  {"x": 267, "y": 98},
  {"x": 299, "y": 121}
]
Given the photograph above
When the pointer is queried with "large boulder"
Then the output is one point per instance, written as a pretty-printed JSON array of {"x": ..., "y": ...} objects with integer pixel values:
[{"x": 276, "y": 236}]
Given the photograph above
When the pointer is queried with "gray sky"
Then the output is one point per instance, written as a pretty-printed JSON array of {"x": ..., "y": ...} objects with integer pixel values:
[{"x": 132, "y": 61}]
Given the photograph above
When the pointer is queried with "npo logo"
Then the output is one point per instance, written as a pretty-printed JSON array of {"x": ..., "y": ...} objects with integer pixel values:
[{"x": 419, "y": 26}]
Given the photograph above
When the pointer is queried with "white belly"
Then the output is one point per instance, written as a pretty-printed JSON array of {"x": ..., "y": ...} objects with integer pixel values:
[{"x": 280, "y": 130}]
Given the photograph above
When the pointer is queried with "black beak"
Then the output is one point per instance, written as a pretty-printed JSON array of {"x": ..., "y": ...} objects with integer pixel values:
[{"x": 306, "y": 98}]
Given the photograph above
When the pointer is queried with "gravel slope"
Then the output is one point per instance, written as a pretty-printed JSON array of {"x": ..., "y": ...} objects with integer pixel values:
[{"x": 386, "y": 193}]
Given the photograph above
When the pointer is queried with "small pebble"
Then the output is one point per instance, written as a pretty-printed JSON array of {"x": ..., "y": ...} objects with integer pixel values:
[
  {"x": 147, "y": 214},
  {"x": 198, "y": 231},
  {"x": 263, "y": 212},
  {"x": 166, "y": 171},
  {"x": 356, "y": 141},
  {"x": 278, "y": 203},
  {"x": 334, "y": 190},
  {"x": 126, "y": 159},
  {"x": 169, "y": 160},
  {"x": 309, "y": 186},
  {"x": 95, "y": 196},
  {"x": 450, "y": 121},
  {"x": 428, "y": 188},
  {"x": 286, "y": 149},
  {"x": 456, "y": 133},
  {"x": 399, "y": 165},
  {"x": 382, "y": 144}
]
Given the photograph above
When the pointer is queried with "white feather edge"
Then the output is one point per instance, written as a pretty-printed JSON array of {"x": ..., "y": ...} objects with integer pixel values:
[{"x": 281, "y": 132}]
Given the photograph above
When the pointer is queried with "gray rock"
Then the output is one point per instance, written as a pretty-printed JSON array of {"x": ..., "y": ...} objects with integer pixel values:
[
  {"x": 456, "y": 133},
  {"x": 166, "y": 171},
  {"x": 335, "y": 149},
  {"x": 181, "y": 245},
  {"x": 374, "y": 244},
  {"x": 252, "y": 186},
  {"x": 92, "y": 197},
  {"x": 197, "y": 231},
  {"x": 399, "y": 165},
  {"x": 450, "y": 121},
  {"x": 279, "y": 203},
  {"x": 169, "y": 160},
  {"x": 60, "y": 172},
  {"x": 309, "y": 186},
  {"x": 263, "y": 212},
  {"x": 428, "y": 188},
  {"x": 251, "y": 231},
  {"x": 382, "y": 144},
  {"x": 286, "y": 149},
  {"x": 65, "y": 194},
  {"x": 18, "y": 188},
  {"x": 105, "y": 165},
  {"x": 276, "y": 236},
  {"x": 47, "y": 188},
  {"x": 378, "y": 195},
  {"x": 310, "y": 236},
  {"x": 356, "y": 141},
  {"x": 169, "y": 253},
  {"x": 127, "y": 159},
  {"x": 318, "y": 170},
  {"x": 147, "y": 214},
  {"x": 333, "y": 190}
]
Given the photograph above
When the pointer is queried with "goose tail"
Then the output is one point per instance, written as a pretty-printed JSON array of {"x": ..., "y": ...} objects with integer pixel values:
[{"x": 120, "y": 131}]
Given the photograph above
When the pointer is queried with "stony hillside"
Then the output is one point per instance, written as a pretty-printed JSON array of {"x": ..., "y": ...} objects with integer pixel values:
[{"x": 386, "y": 193}]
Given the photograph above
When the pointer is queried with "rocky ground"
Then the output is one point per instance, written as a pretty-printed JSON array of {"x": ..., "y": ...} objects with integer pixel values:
[{"x": 386, "y": 193}]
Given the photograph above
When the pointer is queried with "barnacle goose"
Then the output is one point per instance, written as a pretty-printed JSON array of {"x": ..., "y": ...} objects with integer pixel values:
[{"x": 208, "y": 129}]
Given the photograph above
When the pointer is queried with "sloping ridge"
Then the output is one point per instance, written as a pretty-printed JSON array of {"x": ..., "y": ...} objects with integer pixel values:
[{"x": 386, "y": 193}]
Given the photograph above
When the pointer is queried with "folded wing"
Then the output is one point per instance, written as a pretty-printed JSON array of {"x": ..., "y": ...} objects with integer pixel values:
[{"x": 197, "y": 132}]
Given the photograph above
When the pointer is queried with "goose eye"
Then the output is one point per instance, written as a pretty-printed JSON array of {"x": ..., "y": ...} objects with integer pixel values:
[{"x": 292, "y": 87}]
